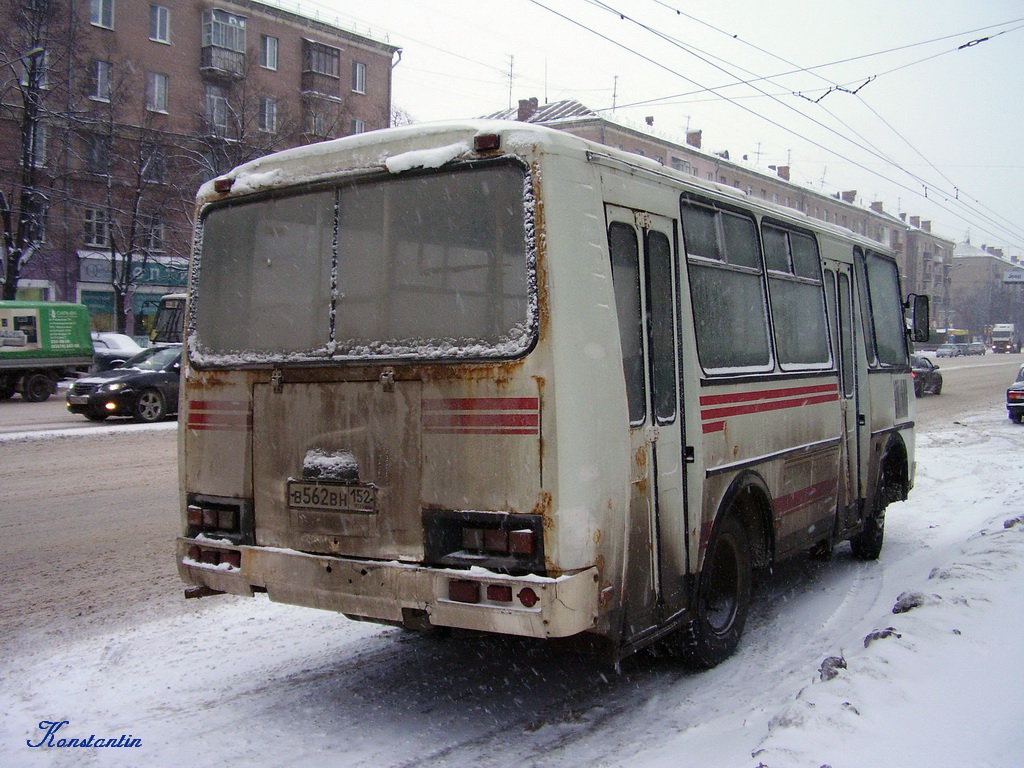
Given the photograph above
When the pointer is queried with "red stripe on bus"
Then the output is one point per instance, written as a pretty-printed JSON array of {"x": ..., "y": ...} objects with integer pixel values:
[
  {"x": 482, "y": 420},
  {"x": 223, "y": 419},
  {"x": 767, "y": 394},
  {"x": 218, "y": 405},
  {"x": 794, "y": 502},
  {"x": 774, "y": 405},
  {"x": 481, "y": 404},
  {"x": 714, "y": 426},
  {"x": 480, "y": 431}
]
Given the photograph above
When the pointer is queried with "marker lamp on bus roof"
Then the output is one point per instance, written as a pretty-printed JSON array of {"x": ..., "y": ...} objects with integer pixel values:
[{"x": 486, "y": 142}]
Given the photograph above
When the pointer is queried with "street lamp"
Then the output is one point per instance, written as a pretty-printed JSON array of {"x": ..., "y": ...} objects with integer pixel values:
[{"x": 29, "y": 54}]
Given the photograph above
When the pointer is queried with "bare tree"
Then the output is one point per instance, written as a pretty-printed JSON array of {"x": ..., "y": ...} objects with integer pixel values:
[{"x": 35, "y": 55}]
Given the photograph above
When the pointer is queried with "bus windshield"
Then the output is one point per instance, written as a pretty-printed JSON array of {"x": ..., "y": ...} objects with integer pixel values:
[{"x": 432, "y": 266}]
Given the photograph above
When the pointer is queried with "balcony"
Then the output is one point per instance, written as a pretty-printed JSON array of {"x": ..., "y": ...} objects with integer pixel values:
[{"x": 222, "y": 64}]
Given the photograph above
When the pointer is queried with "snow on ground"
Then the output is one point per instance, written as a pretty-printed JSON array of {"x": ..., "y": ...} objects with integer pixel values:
[{"x": 235, "y": 681}]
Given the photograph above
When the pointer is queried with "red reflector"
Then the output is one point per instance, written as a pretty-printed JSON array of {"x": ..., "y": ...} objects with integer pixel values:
[
  {"x": 496, "y": 541},
  {"x": 520, "y": 542},
  {"x": 499, "y": 593},
  {"x": 232, "y": 558},
  {"x": 209, "y": 556},
  {"x": 528, "y": 597},
  {"x": 464, "y": 591},
  {"x": 222, "y": 185},
  {"x": 484, "y": 142}
]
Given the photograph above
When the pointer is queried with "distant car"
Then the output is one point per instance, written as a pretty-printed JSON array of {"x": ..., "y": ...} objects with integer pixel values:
[
  {"x": 144, "y": 388},
  {"x": 112, "y": 349},
  {"x": 950, "y": 350},
  {"x": 976, "y": 348},
  {"x": 927, "y": 379},
  {"x": 1015, "y": 398}
]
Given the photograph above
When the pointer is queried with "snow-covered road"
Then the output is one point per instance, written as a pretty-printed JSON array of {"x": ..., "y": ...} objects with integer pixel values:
[{"x": 234, "y": 681}]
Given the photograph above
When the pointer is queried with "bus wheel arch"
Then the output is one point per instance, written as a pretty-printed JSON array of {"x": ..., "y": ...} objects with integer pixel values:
[
  {"x": 740, "y": 542},
  {"x": 892, "y": 484}
]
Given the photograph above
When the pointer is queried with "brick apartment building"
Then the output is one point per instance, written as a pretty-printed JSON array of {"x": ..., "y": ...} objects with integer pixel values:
[{"x": 134, "y": 104}]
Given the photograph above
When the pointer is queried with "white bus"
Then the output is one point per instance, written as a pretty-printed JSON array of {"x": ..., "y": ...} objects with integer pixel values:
[{"x": 492, "y": 376}]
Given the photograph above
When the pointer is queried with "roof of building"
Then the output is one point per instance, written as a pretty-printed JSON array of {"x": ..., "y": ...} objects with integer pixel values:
[{"x": 530, "y": 111}]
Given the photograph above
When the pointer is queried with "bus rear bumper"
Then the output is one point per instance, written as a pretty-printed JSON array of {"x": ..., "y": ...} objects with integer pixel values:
[{"x": 476, "y": 599}]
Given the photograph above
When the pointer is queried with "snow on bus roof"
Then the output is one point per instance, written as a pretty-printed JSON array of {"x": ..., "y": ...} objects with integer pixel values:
[{"x": 427, "y": 145}]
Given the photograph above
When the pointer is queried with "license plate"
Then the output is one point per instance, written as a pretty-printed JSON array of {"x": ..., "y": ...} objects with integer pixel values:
[
  {"x": 78, "y": 399},
  {"x": 332, "y": 497}
]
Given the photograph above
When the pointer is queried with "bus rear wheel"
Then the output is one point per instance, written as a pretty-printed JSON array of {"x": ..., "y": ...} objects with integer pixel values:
[{"x": 722, "y": 599}]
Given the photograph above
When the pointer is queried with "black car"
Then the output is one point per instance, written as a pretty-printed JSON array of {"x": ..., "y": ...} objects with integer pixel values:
[
  {"x": 1015, "y": 398},
  {"x": 111, "y": 350},
  {"x": 927, "y": 378},
  {"x": 144, "y": 388}
]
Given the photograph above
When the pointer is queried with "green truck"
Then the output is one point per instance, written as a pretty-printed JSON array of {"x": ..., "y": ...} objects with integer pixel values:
[{"x": 41, "y": 342}]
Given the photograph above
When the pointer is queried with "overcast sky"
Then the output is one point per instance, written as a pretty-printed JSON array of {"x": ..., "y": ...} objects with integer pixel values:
[{"x": 920, "y": 103}]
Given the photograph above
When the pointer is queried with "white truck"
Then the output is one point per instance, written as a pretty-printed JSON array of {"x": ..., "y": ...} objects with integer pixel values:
[{"x": 1005, "y": 338}]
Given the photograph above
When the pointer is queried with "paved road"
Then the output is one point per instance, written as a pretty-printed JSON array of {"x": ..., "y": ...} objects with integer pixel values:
[
  {"x": 967, "y": 382},
  {"x": 17, "y": 416}
]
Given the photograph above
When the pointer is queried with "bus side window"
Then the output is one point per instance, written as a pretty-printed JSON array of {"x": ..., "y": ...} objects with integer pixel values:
[
  {"x": 730, "y": 315},
  {"x": 661, "y": 326},
  {"x": 795, "y": 290},
  {"x": 625, "y": 255}
]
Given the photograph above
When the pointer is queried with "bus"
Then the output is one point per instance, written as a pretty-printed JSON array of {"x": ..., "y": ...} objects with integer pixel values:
[
  {"x": 169, "y": 321},
  {"x": 494, "y": 377}
]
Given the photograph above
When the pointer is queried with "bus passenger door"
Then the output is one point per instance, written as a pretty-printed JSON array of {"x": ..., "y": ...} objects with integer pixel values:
[
  {"x": 644, "y": 275},
  {"x": 839, "y": 298}
]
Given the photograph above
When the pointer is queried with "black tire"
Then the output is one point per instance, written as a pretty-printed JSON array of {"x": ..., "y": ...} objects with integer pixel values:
[
  {"x": 918, "y": 389},
  {"x": 867, "y": 545},
  {"x": 938, "y": 389},
  {"x": 1016, "y": 418},
  {"x": 150, "y": 407},
  {"x": 722, "y": 600},
  {"x": 7, "y": 389},
  {"x": 37, "y": 387}
]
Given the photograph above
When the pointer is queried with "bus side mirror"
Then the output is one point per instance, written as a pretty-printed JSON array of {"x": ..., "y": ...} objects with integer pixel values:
[{"x": 920, "y": 320}]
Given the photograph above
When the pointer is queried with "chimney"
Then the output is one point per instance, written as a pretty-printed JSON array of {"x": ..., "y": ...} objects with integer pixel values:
[
  {"x": 903, "y": 218},
  {"x": 783, "y": 171},
  {"x": 527, "y": 109},
  {"x": 877, "y": 207},
  {"x": 693, "y": 138},
  {"x": 926, "y": 226},
  {"x": 849, "y": 196},
  {"x": 915, "y": 221}
]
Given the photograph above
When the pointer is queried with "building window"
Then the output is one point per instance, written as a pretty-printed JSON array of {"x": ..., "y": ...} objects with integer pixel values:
[
  {"x": 357, "y": 126},
  {"x": 317, "y": 120},
  {"x": 97, "y": 227},
  {"x": 322, "y": 59},
  {"x": 101, "y": 13},
  {"x": 268, "y": 114},
  {"x": 268, "y": 52},
  {"x": 97, "y": 154},
  {"x": 358, "y": 77},
  {"x": 153, "y": 232},
  {"x": 36, "y": 149},
  {"x": 156, "y": 92},
  {"x": 216, "y": 109},
  {"x": 159, "y": 24},
  {"x": 154, "y": 167},
  {"x": 100, "y": 87},
  {"x": 224, "y": 30}
]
